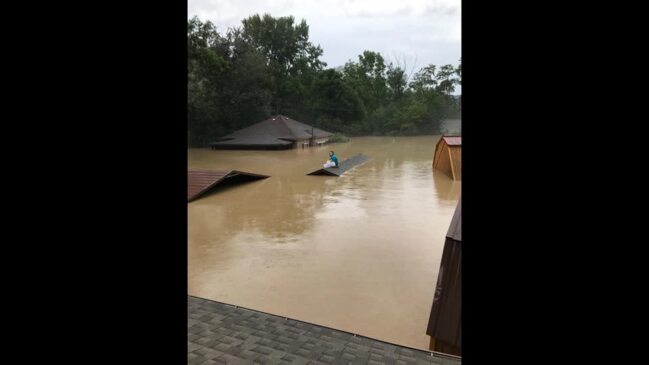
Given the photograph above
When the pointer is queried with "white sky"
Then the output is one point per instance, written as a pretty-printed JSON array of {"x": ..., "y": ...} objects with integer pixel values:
[{"x": 421, "y": 32}]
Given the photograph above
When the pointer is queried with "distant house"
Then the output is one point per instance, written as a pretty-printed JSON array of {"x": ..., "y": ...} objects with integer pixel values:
[
  {"x": 448, "y": 156},
  {"x": 445, "y": 322},
  {"x": 277, "y": 132}
]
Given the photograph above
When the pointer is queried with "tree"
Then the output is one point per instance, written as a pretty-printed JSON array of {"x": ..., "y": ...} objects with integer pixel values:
[
  {"x": 396, "y": 79},
  {"x": 424, "y": 79},
  {"x": 205, "y": 68},
  {"x": 447, "y": 79},
  {"x": 288, "y": 53},
  {"x": 268, "y": 65},
  {"x": 335, "y": 102},
  {"x": 226, "y": 82}
]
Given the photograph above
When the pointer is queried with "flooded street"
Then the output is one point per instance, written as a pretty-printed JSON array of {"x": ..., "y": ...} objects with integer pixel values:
[{"x": 359, "y": 253}]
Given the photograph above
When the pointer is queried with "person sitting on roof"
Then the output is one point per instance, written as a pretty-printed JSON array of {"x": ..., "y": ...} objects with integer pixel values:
[{"x": 333, "y": 160}]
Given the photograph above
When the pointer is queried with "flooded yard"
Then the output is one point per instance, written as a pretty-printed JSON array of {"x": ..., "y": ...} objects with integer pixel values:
[{"x": 359, "y": 253}]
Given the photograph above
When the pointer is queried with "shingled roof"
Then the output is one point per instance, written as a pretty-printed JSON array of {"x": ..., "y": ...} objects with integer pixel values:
[
  {"x": 275, "y": 131},
  {"x": 219, "y": 333}
]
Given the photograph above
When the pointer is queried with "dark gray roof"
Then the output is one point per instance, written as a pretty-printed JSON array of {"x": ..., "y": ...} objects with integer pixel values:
[
  {"x": 343, "y": 167},
  {"x": 278, "y": 130},
  {"x": 455, "y": 230},
  {"x": 219, "y": 333}
]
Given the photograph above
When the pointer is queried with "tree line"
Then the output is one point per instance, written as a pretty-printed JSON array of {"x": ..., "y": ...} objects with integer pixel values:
[{"x": 268, "y": 66}]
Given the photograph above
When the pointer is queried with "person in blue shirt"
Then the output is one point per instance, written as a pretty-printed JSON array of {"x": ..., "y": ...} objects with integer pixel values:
[
  {"x": 333, "y": 157},
  {"x": 333, "y": 160}
]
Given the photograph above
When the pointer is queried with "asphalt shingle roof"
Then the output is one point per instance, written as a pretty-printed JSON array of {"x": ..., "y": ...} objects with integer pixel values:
[
  {"x": 276, "y": 130},
  {"x": 223, "y": 334}
]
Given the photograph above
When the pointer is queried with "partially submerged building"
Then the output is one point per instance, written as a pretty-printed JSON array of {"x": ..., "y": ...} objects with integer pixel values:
[
  {"x": 445, "y": 322},
  {"x": 275, "y": 133},
  {"x": 199, "y": 182},
  {"x": 448, "y": 156}
]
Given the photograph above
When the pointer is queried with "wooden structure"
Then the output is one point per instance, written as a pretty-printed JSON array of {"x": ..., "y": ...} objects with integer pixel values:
[
  {"x": 200, "y": 182},
  {"x": 448, "y": 156},
  {"x": 343, "y": 167},
  {"x": 445, "y": 322}
]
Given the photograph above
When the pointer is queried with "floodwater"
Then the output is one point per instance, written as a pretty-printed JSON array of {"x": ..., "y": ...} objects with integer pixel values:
[{"x": 359, "y": 253}]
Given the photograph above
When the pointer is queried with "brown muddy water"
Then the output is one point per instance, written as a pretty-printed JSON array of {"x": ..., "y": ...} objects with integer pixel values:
[{"x": 359, "y": 253}]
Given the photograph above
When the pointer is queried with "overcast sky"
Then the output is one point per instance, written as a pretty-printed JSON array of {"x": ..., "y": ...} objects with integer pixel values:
[{"x": 421, "y": 32}]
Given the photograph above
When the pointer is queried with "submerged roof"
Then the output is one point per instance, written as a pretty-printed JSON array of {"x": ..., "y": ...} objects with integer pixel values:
[
  {"x": 277, "y": 130},
  {"x": 200, "y": 181},
  {"x": 344, "y": 166}
]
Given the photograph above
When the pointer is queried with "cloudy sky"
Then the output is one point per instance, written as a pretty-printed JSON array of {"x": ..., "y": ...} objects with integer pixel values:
[{"x": 419, "y": 32}]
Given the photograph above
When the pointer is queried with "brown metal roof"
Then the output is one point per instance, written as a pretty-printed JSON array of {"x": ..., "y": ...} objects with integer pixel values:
[
  {"x": 445, "y": 321},
  {"x": 455, "y": 229},
  {"x": 453, "y": 140},
  {"x": 200, "y": 181}
]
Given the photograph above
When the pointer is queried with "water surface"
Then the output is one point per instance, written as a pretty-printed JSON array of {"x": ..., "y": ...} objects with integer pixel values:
[{"x": 358, "y": 252}]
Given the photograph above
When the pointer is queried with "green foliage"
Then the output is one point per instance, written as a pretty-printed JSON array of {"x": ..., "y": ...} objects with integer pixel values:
[
  {"x": 339, "y": 138},
  {"x": 268, "y": 66}
]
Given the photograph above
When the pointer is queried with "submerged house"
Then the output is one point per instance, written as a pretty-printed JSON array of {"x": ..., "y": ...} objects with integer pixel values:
[
  {"x": 275, "y": 133},
  {"x": 448, "y": 156}
]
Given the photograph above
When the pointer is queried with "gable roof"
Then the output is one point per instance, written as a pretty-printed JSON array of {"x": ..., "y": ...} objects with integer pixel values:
[
  {"x": 453, "y": 140},
  {"x": 276, "y": 130}
]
